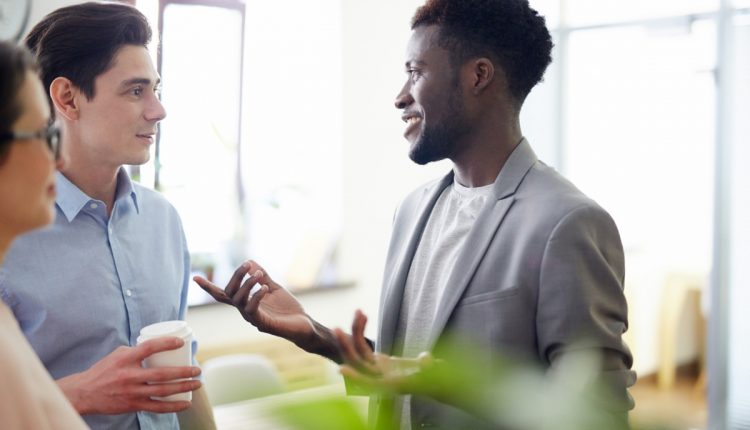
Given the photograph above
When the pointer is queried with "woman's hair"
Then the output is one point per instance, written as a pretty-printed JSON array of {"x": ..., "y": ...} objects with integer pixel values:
[{"x": 15, "y": 61}]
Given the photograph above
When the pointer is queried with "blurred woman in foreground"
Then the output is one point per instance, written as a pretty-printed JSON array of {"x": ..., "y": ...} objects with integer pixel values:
[{"x": 29, "y": 155}]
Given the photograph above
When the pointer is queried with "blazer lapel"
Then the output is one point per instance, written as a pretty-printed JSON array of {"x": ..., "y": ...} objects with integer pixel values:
[
  {"x": 392, "y": 297},
  {"x": 481, "y": 234}
]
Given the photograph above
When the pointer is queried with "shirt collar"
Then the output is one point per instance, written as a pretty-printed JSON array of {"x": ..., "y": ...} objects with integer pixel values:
[
  {"x": 70, "y": 198},
  {"x": 125, "y": 188}
]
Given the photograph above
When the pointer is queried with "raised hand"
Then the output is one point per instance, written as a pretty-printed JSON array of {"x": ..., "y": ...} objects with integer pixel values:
[
  {"x": 266, "y": 305},
  {"x": 119, "y": 384},
  {"x": 377, "y": 372}
]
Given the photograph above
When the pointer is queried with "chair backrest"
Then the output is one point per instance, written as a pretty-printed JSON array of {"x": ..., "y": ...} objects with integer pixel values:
[{"x": 237, "y": 377}]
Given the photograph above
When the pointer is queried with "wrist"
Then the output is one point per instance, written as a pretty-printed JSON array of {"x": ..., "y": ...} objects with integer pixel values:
[
  {"x": 321, "y": 341},
  {"x": 72, "y": 388}
]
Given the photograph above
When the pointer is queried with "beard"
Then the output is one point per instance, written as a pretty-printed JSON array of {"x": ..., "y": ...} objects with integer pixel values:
[{"x": 440, "y": 140}]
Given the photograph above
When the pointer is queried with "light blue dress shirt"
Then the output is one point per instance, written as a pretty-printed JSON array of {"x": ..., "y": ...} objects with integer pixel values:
[{"x": 89, "y": 283}]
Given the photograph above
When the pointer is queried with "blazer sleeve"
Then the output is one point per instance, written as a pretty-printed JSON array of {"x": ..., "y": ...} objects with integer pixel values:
[{"x": 581, "y": 304}]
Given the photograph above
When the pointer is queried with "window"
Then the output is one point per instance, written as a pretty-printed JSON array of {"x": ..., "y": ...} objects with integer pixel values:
[
  {"x": 250, "y": 152},
  {"x": 734, "y": 316},
  {"x": 197, "y": 166},
  {"x": 634, "y": 99}
]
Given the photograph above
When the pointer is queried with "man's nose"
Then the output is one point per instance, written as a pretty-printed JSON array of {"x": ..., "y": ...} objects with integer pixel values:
[
  {"x": 404, "y": 98},
  {"x": 156, "y": 111}
]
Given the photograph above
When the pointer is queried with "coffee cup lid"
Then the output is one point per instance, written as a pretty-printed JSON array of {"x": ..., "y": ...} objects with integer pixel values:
[{"x": 165, "y": 328}]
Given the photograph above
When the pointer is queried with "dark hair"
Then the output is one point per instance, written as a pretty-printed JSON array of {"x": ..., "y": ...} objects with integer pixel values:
[
  {"x": 15, "y": 61},
  {"x": 508, "y": 32},
  {"x": 79, "y": 42}
]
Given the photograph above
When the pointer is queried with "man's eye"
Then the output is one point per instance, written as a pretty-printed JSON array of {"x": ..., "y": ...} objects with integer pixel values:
[
  {"x": 138, "y": 91},
  {"x": 413, "y": 74}
]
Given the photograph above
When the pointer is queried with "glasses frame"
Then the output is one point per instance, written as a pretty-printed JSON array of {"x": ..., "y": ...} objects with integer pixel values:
[{"x": 50, "y": 134}]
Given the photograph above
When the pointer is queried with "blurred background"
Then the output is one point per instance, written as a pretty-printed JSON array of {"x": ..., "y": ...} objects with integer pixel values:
[{"x": 282, "y": 144}]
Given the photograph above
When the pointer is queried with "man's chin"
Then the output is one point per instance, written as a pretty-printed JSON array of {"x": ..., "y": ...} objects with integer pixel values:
[
  {"x": 420, "y": 161},
  {"x": 424, "y": 157},
  {"x": 140, "y": 159}
]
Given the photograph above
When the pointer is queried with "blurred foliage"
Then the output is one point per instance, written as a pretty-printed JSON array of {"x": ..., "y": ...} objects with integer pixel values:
[
  {"x": 506, "y": 393},
  {"x": 338, "y": 413}
]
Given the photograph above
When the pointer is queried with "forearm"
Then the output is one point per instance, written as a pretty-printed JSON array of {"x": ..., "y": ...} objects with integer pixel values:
[
  {"x": 71, "y": 387},
  {"x": 200, "y": 415}
]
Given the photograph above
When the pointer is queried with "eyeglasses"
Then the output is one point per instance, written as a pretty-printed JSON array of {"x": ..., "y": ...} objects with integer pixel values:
[{"x": 50, "y": 134}]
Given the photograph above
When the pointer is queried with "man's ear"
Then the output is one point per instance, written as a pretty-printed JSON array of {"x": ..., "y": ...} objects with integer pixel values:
[
  {"x": 65, "y": 98},
  {"x": 482, "y": 74}
]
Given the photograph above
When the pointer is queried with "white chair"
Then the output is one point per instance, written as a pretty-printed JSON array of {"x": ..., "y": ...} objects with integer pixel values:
[{"x": 237, "y": 377}]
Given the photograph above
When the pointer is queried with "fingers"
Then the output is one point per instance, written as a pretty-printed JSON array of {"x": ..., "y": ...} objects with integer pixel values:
[
  {"x": 390, "y": 382},
  {"x": 150, "y": 347},
  {"x": 235, "y": 292},
  {"x": 211, "y": 288},
  {"x": 350, "y": 372},
  {"x": 354, "y": 349},
  {"x": 239, "y": 299},
  {"x": 358, "y": 337},
  {"x": 252, "y": 305},
  {"x": 264, "y": 277},
  {"x": 361, "y": 379},
  {"x": 236, "y": 281},
  {"x": 351, "y": 356},
  {"x": 164, "y": 374},
  {"x": 168, "y": 388}
]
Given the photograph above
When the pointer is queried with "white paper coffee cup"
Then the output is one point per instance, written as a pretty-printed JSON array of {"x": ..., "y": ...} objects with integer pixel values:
[{"x": 180, "y": 357}]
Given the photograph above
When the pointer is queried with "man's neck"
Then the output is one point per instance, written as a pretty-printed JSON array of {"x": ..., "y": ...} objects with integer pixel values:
[
  {"x": 484, "y": 155},
  {"x": 99, "y": 183}
]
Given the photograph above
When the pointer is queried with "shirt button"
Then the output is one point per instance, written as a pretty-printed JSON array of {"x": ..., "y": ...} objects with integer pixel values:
[
  {"x": 128, "y": 293},
  {"x": 93, "y": 206}
]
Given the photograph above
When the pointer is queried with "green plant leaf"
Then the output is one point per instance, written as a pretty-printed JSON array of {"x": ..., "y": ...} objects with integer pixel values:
[{"x": 338, "y": 413}]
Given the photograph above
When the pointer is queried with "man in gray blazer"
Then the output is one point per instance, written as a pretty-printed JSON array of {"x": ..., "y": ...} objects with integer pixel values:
[{"x": 502, "y": 250}]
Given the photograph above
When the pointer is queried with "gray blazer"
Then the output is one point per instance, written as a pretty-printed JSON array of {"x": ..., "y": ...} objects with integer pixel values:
[{"x": 542, "y": 266}]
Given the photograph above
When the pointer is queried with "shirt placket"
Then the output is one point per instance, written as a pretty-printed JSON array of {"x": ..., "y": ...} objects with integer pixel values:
[{"x": 124, "y": 276}]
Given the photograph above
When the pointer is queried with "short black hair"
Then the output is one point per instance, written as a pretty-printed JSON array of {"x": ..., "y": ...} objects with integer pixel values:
[
  {"x": 79, "y": 42},
  {"x": 15, "y": 61},
  {"x": 508, "y": 32}
]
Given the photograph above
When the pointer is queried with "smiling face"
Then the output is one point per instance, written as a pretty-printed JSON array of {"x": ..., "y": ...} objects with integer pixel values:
[
  {"x": 27, "y": 181},
  {"x": 431, "y": 100},
  {"x": 118, "y": 125}
]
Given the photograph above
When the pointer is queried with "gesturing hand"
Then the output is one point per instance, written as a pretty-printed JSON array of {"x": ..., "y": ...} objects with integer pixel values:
[
  {"x": 263, "y": 303},
  {"x": 118, "y": 384},
  {"x": 375, "y": 371}
]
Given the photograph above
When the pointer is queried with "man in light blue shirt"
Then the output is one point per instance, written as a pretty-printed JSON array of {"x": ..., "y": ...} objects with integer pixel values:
[{"x": 115, "y": 260}]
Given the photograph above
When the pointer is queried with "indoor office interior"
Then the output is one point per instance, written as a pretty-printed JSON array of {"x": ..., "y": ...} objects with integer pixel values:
[{"x": 282, "y": 144}]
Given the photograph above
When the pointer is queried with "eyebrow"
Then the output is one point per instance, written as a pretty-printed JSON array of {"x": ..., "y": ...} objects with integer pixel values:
[
  {"x": 411, "y": 63},
  {"x": 141, "y": 81}
]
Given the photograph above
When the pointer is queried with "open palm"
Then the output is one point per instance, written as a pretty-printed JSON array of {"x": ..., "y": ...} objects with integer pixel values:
[{"x": 262, "y": 302}]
